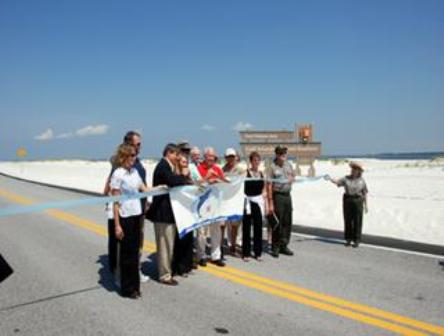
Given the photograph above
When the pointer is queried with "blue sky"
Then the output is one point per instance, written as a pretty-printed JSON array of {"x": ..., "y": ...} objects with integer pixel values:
[{"x": 368, "y": 74}]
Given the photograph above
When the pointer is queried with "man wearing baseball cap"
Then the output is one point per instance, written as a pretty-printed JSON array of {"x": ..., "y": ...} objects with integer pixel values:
[
  {"x": 279, "y": 201},
  {"x": 232, "y": 169}
]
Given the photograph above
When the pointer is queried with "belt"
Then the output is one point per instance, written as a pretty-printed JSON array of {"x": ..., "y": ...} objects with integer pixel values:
[
  {"x": 352, "y": 196},
  {"x": 282, "y": 193}
]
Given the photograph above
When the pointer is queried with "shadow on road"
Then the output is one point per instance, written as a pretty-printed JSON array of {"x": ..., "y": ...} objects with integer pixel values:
[
  {"x": 441, "y": 262},
  {"x": 106, "y": 278}
]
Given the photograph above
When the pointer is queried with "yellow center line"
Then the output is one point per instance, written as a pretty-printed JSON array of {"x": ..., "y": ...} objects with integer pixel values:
[
  {"x": 277, "y": 288},
  {"x": 317, "y": 304},
  {"x": 337, "y": 301}
]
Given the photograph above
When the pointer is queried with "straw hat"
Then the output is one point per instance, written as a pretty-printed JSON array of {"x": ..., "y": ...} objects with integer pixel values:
[{"x": 356, "y": 165}]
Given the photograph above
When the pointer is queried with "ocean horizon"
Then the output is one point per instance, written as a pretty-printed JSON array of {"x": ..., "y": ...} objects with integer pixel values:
[{"x": 379, "y": 156}]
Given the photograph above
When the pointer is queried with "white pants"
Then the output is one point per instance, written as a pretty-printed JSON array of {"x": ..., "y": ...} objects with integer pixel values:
[
  {"x": 228, "y": 226},
  {"x": 215, "y": 236}
]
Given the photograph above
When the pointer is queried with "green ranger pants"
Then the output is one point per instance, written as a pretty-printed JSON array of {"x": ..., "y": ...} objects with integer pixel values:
[
  {"x": 353, "y": 210},
  {"x": 284, "y": 210}
]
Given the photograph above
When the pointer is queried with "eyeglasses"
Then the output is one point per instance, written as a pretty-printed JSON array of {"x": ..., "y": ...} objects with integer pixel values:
[{"x": 138, "y": 144}]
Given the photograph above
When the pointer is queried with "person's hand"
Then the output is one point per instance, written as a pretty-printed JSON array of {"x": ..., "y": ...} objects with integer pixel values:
[
  {"x": 210, "y": 173},
  {"x": 185, "y": 171},
  {"x": 119, "y": 232}
]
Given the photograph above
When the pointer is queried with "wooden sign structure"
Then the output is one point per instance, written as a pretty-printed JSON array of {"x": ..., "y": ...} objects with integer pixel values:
[{"x": 299, "y": 142}]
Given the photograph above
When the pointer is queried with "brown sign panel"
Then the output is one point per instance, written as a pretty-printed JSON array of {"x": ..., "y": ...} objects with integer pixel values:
[
  {"x": 266, "y": 135},
  {"x": 304, "y": 153}
]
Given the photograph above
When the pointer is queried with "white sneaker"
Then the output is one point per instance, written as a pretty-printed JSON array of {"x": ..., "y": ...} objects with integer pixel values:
[{"x": 143, "y": 278}]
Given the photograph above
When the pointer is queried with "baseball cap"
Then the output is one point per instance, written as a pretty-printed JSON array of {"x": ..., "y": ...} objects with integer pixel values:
[{"x": 230, "y": 152}]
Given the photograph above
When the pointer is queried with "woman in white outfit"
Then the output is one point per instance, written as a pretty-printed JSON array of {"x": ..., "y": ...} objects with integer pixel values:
[{"x": 125, "y": 180}]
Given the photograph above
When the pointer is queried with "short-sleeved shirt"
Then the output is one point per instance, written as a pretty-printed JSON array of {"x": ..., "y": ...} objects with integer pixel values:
[
  {"x": 142, "y": 173},
  {"x": 353, "y": 186},
  {"x": 129, "y": 183},
  {"x": 234, "y": 171},
  {"x": 194, "y": 171},
  {"x": 203, "y": 171},
  {"x": 281, "y": 173}
]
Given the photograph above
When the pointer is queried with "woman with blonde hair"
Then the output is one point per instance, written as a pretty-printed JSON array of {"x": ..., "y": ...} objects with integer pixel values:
[
  {"x": 183, "y": 247},
  {"x": 125, "y": 180}
]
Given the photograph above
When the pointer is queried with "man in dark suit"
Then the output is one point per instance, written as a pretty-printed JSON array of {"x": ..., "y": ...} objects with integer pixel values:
[{"x": 161, "y": 212}]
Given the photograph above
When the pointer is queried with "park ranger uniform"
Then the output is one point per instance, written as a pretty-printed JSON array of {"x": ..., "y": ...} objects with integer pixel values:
[
  {"x": 282, "y": 205},
  {"x": 353, "y": 200}
]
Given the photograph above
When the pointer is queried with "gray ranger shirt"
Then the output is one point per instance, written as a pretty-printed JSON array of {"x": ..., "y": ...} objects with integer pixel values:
[
  {"x": 353, "y": 187},
  {"x": 282, "y": 173}
]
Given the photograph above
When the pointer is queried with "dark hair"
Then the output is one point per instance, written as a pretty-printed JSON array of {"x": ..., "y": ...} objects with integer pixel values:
[
  {"x": 128, "y": 138},
  {"x": 253, "y": 155},
  {"x": 170, "y": 148}
]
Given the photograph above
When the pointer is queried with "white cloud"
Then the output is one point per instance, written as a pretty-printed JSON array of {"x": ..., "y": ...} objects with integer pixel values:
[
  {"x": 65, "y": 135},
  {"x": 208, "y": 128},
  {"x": 242, "y": 126},
  {"x": 82, "y": 132},
  {"x": 45, "y": 136},
  {"x": 92, "y": 130}
]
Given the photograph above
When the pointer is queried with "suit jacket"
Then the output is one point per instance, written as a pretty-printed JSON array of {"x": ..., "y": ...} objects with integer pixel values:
[{"x": 161, "y": 210}]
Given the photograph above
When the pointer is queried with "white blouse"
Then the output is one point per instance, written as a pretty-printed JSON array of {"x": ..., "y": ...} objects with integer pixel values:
[{"x": 129, "y": 183}]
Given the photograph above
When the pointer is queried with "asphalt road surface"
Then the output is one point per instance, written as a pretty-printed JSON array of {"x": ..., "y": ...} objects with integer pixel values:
[{"x": 61, "y": 285}]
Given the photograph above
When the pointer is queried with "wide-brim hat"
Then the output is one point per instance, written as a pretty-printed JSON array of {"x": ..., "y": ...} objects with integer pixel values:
[
  {"x": 356, "y": 165},
  {"x": 279, "y": 150},
  {"x": 184, "y": 145}
]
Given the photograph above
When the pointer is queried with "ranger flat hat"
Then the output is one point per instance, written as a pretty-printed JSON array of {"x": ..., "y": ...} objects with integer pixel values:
[
  {"x": 356, "y": 165},
  {"x": 184, "y": 145},
  {"x": 280, "y": 150}
]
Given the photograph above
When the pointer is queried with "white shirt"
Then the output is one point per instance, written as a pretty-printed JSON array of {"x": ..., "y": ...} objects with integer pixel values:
[{"x": 129, "y": 183}]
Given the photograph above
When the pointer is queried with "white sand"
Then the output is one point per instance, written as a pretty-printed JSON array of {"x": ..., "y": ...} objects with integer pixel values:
[{"x": 406, "y": 199}]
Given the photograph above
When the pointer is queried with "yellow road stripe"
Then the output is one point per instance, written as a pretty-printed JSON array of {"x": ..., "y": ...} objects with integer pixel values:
[
  {"x": 15, "y": 198},
  {"x": 316, "y": 304},
  {"x": 270, "y": 286},
  {"x": 337, "y": 301}
]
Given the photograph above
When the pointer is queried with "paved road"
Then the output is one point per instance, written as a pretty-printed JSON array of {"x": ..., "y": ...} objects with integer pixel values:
[{"x": 61, "y": 285}]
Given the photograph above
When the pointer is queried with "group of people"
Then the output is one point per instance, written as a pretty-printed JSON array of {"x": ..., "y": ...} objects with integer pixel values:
[{"x": 267, "y": 197}]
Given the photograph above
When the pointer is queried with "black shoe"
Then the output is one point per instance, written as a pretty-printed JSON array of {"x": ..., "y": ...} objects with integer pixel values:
[
  {"x": 286, "y": 251},
  {"x": 355, "y": 244},
  {"x": 348, "y": 243},
  {"x": 274, "y": 253},
  {"x": 218, "y": 262},
  {"x": 203, "y": 262}
]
